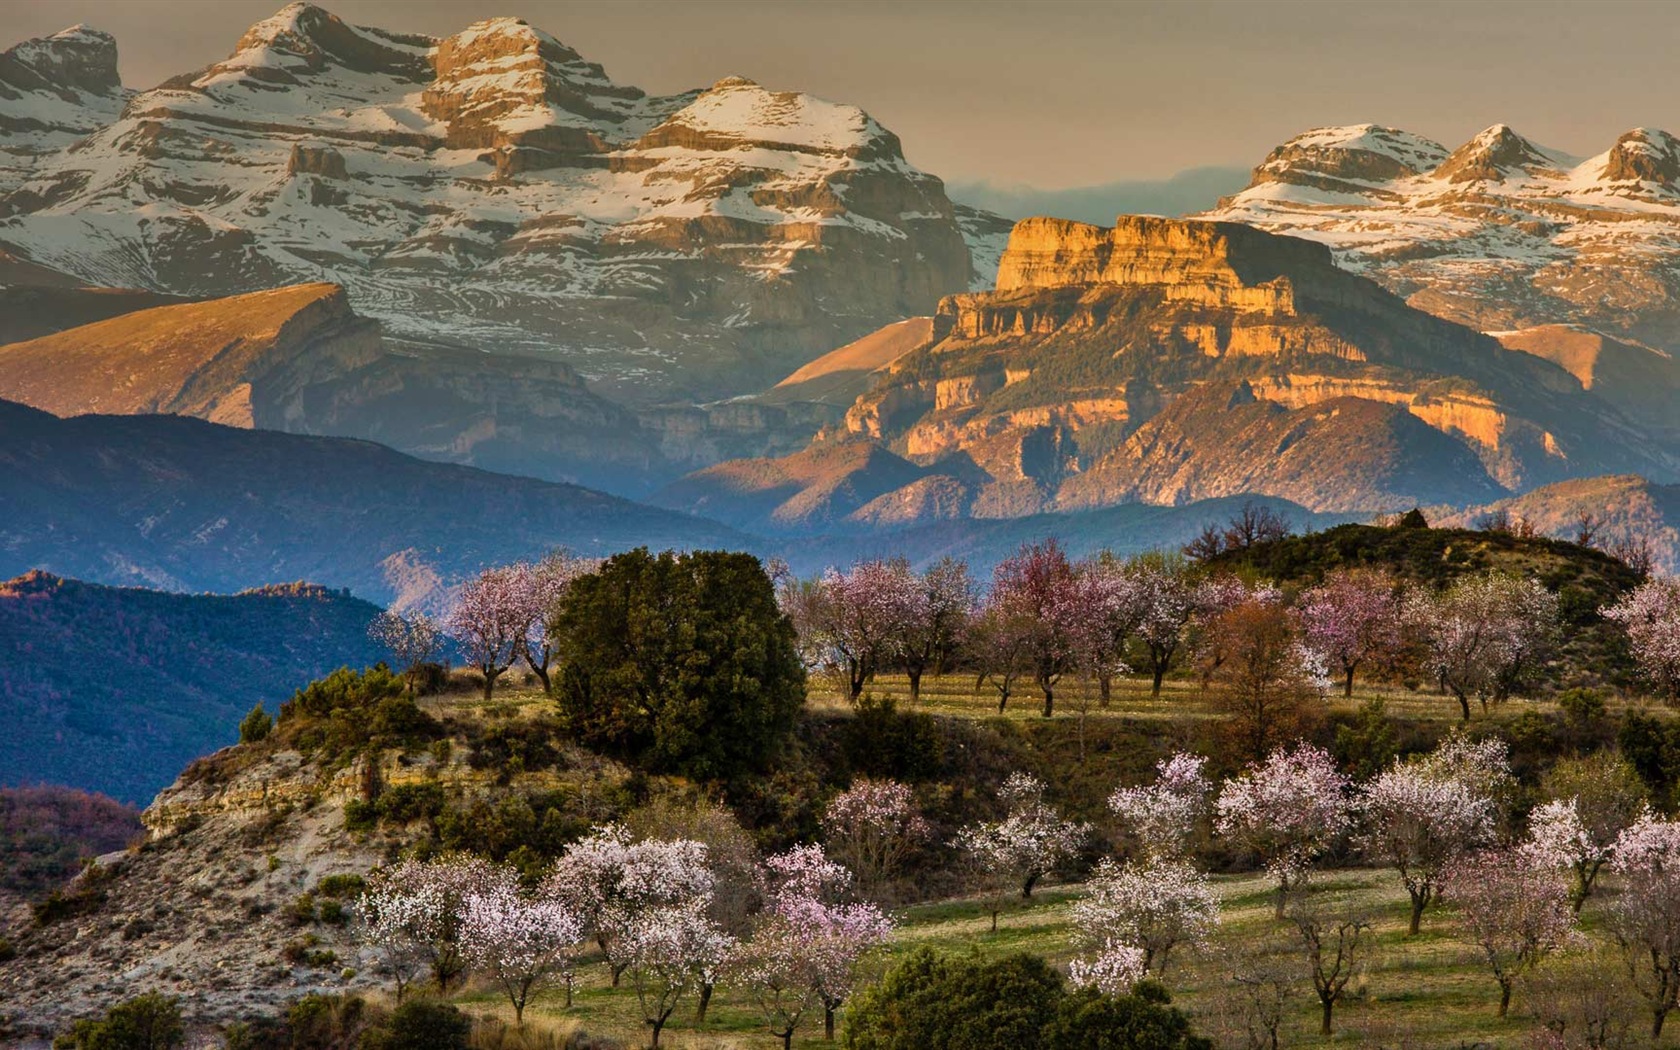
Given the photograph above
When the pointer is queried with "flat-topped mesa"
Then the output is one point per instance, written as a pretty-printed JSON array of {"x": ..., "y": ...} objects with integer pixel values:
[{"x": 1216, "y": 264}]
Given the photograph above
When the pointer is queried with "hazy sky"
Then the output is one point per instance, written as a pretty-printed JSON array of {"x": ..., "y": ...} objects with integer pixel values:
[{"x": 1054, "y": 94}]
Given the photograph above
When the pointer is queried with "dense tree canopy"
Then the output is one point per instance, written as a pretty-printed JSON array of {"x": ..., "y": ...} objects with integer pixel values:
[{"x": 680, "y": 663}]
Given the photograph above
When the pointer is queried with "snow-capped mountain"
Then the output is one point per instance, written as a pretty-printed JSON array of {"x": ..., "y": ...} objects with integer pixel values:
[
  {"x": 491, "y": 188},
  {"x": 1499, "y": 234}
]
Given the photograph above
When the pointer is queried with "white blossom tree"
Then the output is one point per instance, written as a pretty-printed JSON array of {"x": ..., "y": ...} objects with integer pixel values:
[
  {"x": 1023, "y": 847},
  {"x": 1420, "y": 816},
  {"x": 413, "y": 910},
  {"x": 1112, "y": 968},
  {"x": 1650, "y": 614},
  {"x": 489, "y": 621},
  {"x": 1287, "y": 810},
  {"x": 1514, "y": 912},
  {"x": 1167, "y": 599},
  {"x": 1156, "y": 907},
  {"x": 1594, "y": 799},
  {"x": 1645, "y": 918},
  {"x": 517, "y": 941},
  {"x": 1484, "y": 634},
  {"x": 670, "y": 952},
  {"x": 1162, "y": 818},
  {"x": 935, "y": 617}
]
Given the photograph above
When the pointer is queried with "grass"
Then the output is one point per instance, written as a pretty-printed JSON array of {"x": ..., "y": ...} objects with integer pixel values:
[{"x": 1432, "y": 990}]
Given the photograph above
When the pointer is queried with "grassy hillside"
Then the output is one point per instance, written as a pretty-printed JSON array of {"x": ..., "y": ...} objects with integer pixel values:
[
  {"x": 1585, "y": 579},
  {"x": 115, "y": 689}
]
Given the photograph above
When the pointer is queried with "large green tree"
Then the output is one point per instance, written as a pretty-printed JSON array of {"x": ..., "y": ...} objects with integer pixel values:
[{"x": 679, "y": 663}]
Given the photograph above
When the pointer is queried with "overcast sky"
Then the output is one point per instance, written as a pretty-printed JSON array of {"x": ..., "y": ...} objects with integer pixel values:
[{"x": 1054, "y": 94}]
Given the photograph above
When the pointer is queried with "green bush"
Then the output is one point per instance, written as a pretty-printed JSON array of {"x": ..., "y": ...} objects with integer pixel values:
[
  {"x": 340, "y": 887},
  {"x": 933, "y": 1002},
  {"x": 882, "y": 741},
  {"x": 679, "y": 663},
  {"x": 360, "y": 815},
  {"x": 149, "y": 1022},
  {"x": 407, "y": 803},
  {"x": 420, "y": 1024},
  {"x": 348, "y": 710},
  {"x": 255, "y": 726}
]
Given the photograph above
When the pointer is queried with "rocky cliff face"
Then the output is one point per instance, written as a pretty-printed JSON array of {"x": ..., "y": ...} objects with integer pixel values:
[
  {"x": 1169, "y": 361},
  {"x": 493, "y": 189},
  {"x": 1499, "y": 234},
  {"x": 53, "y": 91}
]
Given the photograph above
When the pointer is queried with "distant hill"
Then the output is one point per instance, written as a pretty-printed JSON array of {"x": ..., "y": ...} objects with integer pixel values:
[
  {"x": 1622, "y": 508},
  {"x": 182, "y": 504},
  {"x": 114, "y": 689},
  {"x": 47, "y": 832}
]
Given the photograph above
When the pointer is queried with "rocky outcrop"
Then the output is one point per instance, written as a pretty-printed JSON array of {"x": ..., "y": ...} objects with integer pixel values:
[
  {"x": 1095, "y": 375},
  {"x": 494, "y": 189}
]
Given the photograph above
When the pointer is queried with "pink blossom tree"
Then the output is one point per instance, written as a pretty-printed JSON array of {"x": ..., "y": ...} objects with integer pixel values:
[
  {"x": 871, "y": 827},
  {"x": 1039, "y": 591},
  {"x": 1156, "y": 907},
  {"x": 937, "y": 612},
  {"x": 1162, "y": 818},
  {"x": 1650, "y": 614},
  {"x": 489, "y": 621},
  {"x": 858, "y": 620},
  {"x": 517, "y": 941},
  {"x": 1111, "y": 604},
  {"x": 1645, "y": 918},
  {"x": 1023, "y": 847},
  {"x": 412, "y": 640},
  {"x": 1112, "y": 968},
  {"x": 1352, "y": 618},
  {"x": 1514, "y": 912},
  {"x": 1484, "y": 634},
  {"x": 1287, "y": 810}
]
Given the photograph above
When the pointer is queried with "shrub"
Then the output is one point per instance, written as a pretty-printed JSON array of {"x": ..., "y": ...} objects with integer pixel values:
[
  {"x": 82, "y": 897},
  {"x": 148, "y": 1022},
  {"x": 350, "y": 709},
  {"x": 1089, "y": 1020},
  {"x": 340, "y": 887},
  {"x": 407, "y": 803},
  {"x": 419, "y": 1024},
  {"x": 882, "y": 741},
  {"x": 255, "y": 726}
]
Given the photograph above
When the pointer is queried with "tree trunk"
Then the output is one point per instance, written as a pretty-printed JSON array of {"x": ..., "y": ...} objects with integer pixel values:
[
  {"x": 1324, "y": 1028},
  {"x": 994, "y": 920},
  {"x": 617, "y": 972},
  {"x": 1105, "y": 683},
  {"x": 1463, "y": 704},
  {"x": 1027, "y": 887},
  {"x": 705, "y": 1003},
  {"x": 519, "y": 1014},
  {"x": 656, "y": 1025},
  {"x": 1049, "y": 702},
  {"x": 786, "y": 1038},
  {"x": 1504, "y": 997},
  {"x": 1160, "y": 672},
  {"x": 1348, "y": 691},
  {"x": 1659, "y": 1014},
  {"x": 1003, "y": 699},
  {"x": 915, "y": 676},
  {"x": 828, "y": 1021},
  {"x": 489, "y": 682},
  {"x": 542, "y": 676},
  {"x": 1418, "y": 901},
  {"x": 569, "y": 982}
]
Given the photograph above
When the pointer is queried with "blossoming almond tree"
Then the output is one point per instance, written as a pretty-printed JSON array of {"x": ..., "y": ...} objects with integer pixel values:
[
  {"x": 1162, "y": 818},
  {"x": 936, "y": 616},
  {"x": 489, "y": 621},
  {"x": 1516, "y": 913},
  {"x": 1593, "y": 800},
  {"x": 413, "y": 909},
  {"x": 1039, "y": 591},
  {"x": 1418, "y": 821},
  {"x": 1019, "y": 850},
  {"x": 1287, "y": 810},
  {"x": 1113, "y": 968},
  {"x": 1352, "y": 618},
  {"x": 412, "y": 640},
  {"x": 607, "y": 880},
  {"x": 670, "y": 951},
  {"x": 517, "y": 941},
  {"x": 539, "y": 590},
  {"x": 1156, "y": 907},
  {"x": 1484, "y": 634},
  {"x": 1651, "y": 616},
  {"x": 871, "y": 827},
  {"x": 1645, "y": 918}
]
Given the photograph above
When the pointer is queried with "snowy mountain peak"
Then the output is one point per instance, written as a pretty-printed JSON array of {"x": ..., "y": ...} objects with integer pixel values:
[
  {"x": 79, "y": 58},
  {"x": 1643, "y": 155},
  {"x": 1349, "y": 158},
  {"x": 1494, "y": 154}
]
